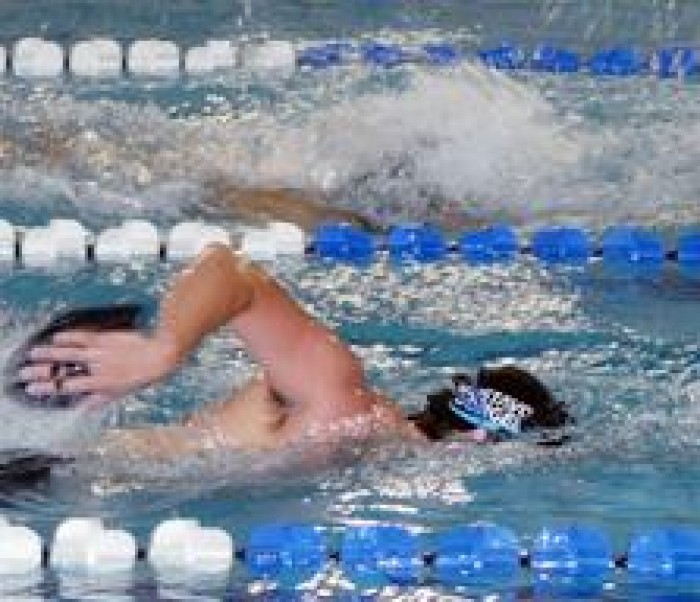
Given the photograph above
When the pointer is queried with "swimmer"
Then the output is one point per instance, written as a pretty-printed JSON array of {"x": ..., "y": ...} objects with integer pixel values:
[{"x": 309, "y": 378}]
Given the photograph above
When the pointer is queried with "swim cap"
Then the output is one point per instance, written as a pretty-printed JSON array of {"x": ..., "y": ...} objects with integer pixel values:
[{"x": 488, "y": 409}]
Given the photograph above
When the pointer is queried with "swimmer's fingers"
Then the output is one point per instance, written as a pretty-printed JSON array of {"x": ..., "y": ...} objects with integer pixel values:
[
  {"x": 53, "y": 353},
  {"x": 74, "y": 385},
  {"x": 81, "y": 384},
  {"x": 35, "y": 372},
  {"x": 40, "y": 388}
]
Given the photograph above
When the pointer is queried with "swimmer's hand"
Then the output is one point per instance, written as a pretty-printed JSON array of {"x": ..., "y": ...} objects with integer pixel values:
[{"x": 117, "y": 363}]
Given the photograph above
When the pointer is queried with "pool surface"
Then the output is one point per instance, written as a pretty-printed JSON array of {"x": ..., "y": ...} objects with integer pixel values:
[{"x": 452, "y": 147}]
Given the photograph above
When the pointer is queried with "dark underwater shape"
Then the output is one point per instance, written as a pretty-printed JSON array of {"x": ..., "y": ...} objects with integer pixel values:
[{"x": 27, "y": 468}]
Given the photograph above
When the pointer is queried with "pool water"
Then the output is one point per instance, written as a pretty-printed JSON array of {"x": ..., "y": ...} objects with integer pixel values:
[
  {"x": 411, "y": 143},
  {"x": 621, "y": 352}
]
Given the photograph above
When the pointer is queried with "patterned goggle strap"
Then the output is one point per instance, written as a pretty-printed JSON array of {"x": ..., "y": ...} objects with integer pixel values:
[{"x": 490, "y": 410}]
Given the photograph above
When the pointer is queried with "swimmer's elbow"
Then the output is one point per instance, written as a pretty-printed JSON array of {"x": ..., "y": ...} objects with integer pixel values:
[
  {"x": 217, "y": 251},
  {"x": 345, "y": 371}
]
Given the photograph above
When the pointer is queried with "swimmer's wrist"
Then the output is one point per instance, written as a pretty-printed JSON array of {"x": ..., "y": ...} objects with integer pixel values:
[{"x": 169, "y": 353}]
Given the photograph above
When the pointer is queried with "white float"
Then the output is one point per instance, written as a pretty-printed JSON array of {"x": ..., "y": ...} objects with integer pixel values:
[
  {"x": 20, "y": 550},
  {"x": 39, "y": 248},
  {"x": 289, "y": 239},
  {"x": 154, "y": 58},
  {"x": 184, "y": 545},
  {"x": 83, "y": 544},
  {"x": 279, "y": 238},
  {"x": 133, "y": 239},
  {"x": 71, "y": 238},
  {"x": 270, "y": 55},
  {"x": 37, "y": 58},
  {"x": 62, "y": 239},
  {"x": 215, "y": 55},
  {"x": 258, "y": 244},
  {"x": 7, "y": 241},
  {"x": 188, "y": 239},
  {"x": 3, "y": 59},
  {"x": 96, "y": 58}
]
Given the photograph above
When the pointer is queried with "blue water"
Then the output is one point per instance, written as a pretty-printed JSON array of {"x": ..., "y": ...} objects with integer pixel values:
[{"x": 407, "y": 144}]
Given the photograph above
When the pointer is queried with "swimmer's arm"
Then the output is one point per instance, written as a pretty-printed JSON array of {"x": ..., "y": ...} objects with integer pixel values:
[
  {"x": 215, "y": 288},
  {"x": 304, "y": 362},
  {"x": 164, "y": 442},
  {"x": 209, "y": 293}
]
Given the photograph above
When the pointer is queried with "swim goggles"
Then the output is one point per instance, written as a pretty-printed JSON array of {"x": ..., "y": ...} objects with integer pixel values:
[{"x": 493, "y": 411}]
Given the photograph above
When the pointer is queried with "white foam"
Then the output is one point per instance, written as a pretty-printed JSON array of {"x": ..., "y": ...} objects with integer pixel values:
[
  {"x": 3, "y": 60},
  {"x": 471, "y": 140}
]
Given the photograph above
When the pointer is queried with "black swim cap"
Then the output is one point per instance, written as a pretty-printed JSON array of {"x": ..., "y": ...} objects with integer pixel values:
[{"x": 437, "y": 420}]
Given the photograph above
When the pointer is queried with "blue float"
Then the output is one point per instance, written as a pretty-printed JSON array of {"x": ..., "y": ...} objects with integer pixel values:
[
  {"x": 628, "y": 244},
  {"x": 323, "y": 56},
  {"x": 555, "y": 60},
  {"x": 665, "y": 555},
  {"x": 689, "y": 248},
  {"x": 561, "y": 245},
  {"x": 628, "y": 250},
  {"x": 417, "y": 242},
  {"x": 288, "y": 554},
  {"x": 378, "y": 555},
  {"x": 384, "y": 55},
  {"x": 496, "y": 243},
  {"x": 677, "y": 61},
  {"x": 442, "y": 54},
  {"x": 476, "y": 555},
  {"x": 621, "y": 61},
  {"x": 573, "y": 555},
  {"x": 343, "y": 242},
  {"x": 505, "y": 56}
]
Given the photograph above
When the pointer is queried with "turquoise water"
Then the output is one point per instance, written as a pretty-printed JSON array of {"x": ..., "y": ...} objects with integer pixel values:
[
  {"x": 412, "y": 143},
  {"x": 623, "y": 353}
]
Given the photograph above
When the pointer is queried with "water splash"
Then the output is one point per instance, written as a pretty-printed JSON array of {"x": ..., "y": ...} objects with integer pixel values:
[{"x": 411, "y": 145}]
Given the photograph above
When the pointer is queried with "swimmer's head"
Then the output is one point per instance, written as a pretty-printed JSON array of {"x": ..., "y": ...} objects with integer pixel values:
[{"x": 503, "y": 402}]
